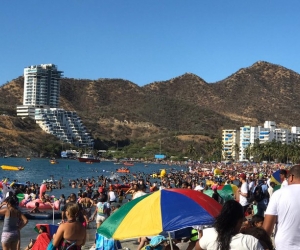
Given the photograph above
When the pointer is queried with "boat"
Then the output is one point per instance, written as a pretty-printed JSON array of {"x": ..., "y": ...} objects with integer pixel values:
[
  {"x": 123, "y": 170},
  {"x": 28, "y": 159},
  {"x": 88, "y": 158},
  {"x": 128, "y": 164},
  {"x": 12, "y": 168}
]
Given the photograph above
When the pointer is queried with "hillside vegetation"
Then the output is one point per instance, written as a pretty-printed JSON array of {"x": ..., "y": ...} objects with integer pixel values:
[{"x": 177, "y": 113}]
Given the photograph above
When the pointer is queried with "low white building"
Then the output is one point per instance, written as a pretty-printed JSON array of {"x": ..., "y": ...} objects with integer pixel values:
[{"x": 65, "y": 125}]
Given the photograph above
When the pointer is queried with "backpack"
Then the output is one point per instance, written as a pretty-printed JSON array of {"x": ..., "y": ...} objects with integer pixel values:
[{"x": 258, "y": 193}]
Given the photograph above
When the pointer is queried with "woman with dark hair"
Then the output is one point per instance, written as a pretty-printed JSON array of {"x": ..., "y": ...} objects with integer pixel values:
[
  {"x": 14, "y": 221},
  {"x": 225, "y": 233}
]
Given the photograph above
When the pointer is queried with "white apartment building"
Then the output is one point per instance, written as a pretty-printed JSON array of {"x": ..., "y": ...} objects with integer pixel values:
[
  {"x": 295, "y": 133},
  {"x": 230, "y": 138},
  {"x": 26, "y": 111},
  {"x": 41, "y": 85},
  {"x": 65, "y": 125},
  {"x": 41, "y": 102},
  {"x": 248, "y": 135}
]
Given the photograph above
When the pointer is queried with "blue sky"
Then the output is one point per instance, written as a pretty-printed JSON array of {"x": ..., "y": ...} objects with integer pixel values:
[{"x": 147, "y": 40}]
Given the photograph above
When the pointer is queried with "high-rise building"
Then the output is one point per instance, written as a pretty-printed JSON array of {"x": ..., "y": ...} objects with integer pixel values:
[
  {"x": 230, "y": 139},
  {"x": 41, "y": 103},
  {"x": 41, "y": 85}
]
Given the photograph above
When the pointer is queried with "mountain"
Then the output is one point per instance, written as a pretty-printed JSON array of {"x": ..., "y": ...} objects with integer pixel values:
[{"x": 181, "y": 111}]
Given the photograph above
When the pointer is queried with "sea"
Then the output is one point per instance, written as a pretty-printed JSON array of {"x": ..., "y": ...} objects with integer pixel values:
[{"x": 37, "y": 170}]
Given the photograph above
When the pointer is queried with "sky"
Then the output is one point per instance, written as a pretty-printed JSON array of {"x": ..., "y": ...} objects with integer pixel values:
[{"x": 144, "y": 41}]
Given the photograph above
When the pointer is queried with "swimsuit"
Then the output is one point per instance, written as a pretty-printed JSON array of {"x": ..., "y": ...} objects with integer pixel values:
[
  {"x": 68, "y": 245},
  {"x": 10, "y": 232}
]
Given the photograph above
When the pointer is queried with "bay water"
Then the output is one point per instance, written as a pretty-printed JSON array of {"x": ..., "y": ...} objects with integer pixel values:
[{"x": 37, "y": 170}]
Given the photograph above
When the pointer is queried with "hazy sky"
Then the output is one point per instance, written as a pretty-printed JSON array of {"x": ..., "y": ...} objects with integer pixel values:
[{"x": 147, "y": 40}]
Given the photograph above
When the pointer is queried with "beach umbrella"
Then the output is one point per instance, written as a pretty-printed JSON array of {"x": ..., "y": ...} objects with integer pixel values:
[
  {"x": 275, "y": 177},
  {"x": 225, "y": 194},
  {"x": 164, "y": 210},
  {"x": 230, "y": 188}
]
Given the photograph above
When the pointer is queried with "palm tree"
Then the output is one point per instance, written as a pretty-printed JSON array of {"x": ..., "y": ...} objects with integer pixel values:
[
  {"x": 236, "y": 150},
  {"x": 218, "y": 146},
  {"x": 248, "y": 151},
  {"x": 191, "y": 150}
]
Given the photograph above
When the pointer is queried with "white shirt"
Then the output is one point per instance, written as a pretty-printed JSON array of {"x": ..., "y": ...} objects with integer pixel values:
[
  {"x": 251, "y": 186},
  {"x": 284, "y": 184},
  {"x": 198, "y": 188},
  {"x": 238, "y": 242},
  {"x": 138, "y": 194},
  {"x": 285, "y": 204},
  {"x": 244, "y": 190}
]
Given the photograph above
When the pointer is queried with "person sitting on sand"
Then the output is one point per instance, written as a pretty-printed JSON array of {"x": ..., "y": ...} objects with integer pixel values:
[
  {"x": 41, "y": 241},
  {"x": 36, "y": 208}
]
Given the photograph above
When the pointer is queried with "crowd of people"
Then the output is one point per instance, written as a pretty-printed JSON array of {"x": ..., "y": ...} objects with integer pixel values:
[{"x": 254, "y": 213}]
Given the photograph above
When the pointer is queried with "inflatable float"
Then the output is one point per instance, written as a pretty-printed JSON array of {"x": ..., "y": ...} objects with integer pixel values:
[
  {"x": 124, "y": 187},
  {"x": 12, "y": 168},
  {"x": 42, "y": 205},
  {"x": 42, "y": 216},
  {"x": 161, "y": 175},
  {"x": 123, "y": 170}
]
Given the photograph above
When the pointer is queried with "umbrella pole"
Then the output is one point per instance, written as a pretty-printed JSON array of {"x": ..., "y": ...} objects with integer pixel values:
[
  {"x": 170, "y": 239},
  {"x": 53, "y": 214}
]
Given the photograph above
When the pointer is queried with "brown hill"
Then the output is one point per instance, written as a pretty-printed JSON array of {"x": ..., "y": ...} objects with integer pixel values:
[{"x": 119, "y": 110}]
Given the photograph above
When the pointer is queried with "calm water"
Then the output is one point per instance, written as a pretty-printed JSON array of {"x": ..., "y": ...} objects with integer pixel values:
[{"x": 38, "y": 170}]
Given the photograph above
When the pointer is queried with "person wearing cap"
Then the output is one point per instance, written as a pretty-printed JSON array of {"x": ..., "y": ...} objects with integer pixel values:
[{"x": 243, "y": 192}]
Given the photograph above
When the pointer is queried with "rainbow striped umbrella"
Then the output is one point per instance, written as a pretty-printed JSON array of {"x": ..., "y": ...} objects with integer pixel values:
[{"x": 164, "y": 210}]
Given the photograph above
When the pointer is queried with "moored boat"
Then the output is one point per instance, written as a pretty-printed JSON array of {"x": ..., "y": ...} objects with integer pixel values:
[
  {"x": 128, "y": 164},
  {"x": 88, "y": 158},
  {"x": 12, "y": 168}
]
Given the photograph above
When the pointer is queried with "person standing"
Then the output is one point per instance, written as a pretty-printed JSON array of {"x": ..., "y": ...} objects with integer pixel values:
[
  {"x": 244, "y": 192},
  {"x": 62, "y": 202},
  {"x": 14, "y": 221},
  {"x": 102, "y": 211},
  {"x": 283, "y": 178},
  {"x": 283, "y": 208},
  {"x": 271, "y": 188}
]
